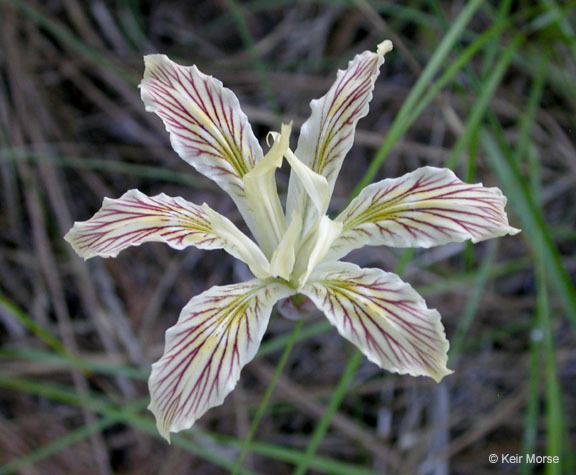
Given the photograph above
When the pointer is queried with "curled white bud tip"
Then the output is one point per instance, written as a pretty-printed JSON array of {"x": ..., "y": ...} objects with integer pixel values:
[{"x": 385, "y": 47}]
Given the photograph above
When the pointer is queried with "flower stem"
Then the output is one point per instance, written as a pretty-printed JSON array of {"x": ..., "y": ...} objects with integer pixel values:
[
  {"x": 264, "y": 404},
  {"x": 334, "y": 404}
]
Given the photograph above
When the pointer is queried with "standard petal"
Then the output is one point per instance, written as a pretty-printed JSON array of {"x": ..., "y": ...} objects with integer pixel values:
[
  {"x": 262, "y": 193},
  {"x": 206, "y": 125},
  {"x": 326, "y": 232},
  {"x": 427, "y": 207},
  {"x": 135, "y": 218},
  {"x": 284, "y": 256},
  {"x": 383, "y": 316},
  {"x": 314, "y": 184},
  {"x": 328, "y": 134},
  {"x": 237, "y": 243},
  {"x": 218, "y": 332}
]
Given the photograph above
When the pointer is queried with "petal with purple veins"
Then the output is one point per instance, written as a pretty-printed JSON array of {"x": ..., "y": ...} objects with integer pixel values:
[
  {"x": 217, "y": 334},
  {"x": 327, "y": 136},
  {"x": 383, "y": 316},
  {"x": 427, "y": 207},
  {"x": 135, "y": 218},
  {"x": 206, "y": 124}
]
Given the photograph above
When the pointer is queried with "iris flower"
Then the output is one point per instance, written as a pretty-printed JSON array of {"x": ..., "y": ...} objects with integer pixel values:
[{"x": 296, "y": 250}]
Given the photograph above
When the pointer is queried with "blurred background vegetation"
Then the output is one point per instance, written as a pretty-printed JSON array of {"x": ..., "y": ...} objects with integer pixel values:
[{"x": 487, "y": 88}]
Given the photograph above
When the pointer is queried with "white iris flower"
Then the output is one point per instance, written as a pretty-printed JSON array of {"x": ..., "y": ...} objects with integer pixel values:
[{"x": 296, "y": 249}]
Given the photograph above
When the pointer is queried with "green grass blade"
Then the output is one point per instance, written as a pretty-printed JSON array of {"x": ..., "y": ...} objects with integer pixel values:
[
  {"x": 334, "y": 404},
  {"x": 41, "y": 333},
  {"x": 472, "y": 303},
  {"x": 49, "y": 358},
  {"x": 491, "y": 51},
  {"x": 532, "y": 409},
  {"x": 65, "y": 36},
  {"x": 250, "y": 45},
  {"x": 103, "y": 406},
  {"x": 536, "y": 348},
  {"x": 73, "y": 437},
  {"x": 269, "y": 390},
  {"x": 320, "y": 464},
  {"x": 279, "y": 342},
  {"x": 529, "y": 116},
  {"x": 532, "y": 223},
  {"x": 400, "y": 124},
  {"x": 114, "y": 166},
  {"x": 147, "y": 425},
  {"x": 456, "y": 66},
  {"x": 554, "y": 411},
  {"x": 483, "y": 101}
]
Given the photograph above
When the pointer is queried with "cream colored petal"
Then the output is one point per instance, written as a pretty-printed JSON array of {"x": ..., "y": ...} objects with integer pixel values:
[
  {"x": 206, "y": 124},
  {"x": 327, "y": 136},
  {"x": 217, "y": 334},
  {"x": 262, "y": 194},
  {"x": 238, "y": 244},
  {"x": 383, "y": 316},
  {"x": 314, "y": 184},
  {"x": 135, "y": 218},
  {"x": 284, "y": 256},
  {"x": 326, "y": 233},
  {"x": 425, "y": 208}
]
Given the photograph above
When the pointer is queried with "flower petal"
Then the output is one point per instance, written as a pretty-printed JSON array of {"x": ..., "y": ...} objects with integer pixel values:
[
  {"x": 328, "y": 134},
  {"x": 238, "y": 244},
  {"x": 425, "y": 208},
  {"x": 206, "y": 125},
  {"x": 218, "y": 332},
  {"x": 315, "y": 185},
  {"x": 326, "y": 232},
  {"x": 135, "y": 218},
  {"x": 383, "y": 316},
  {"x": 284, "y": 256},
  {"x": 262, "y": 193}
]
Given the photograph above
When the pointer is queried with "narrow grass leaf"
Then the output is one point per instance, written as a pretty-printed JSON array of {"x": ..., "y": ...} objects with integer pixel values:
[
  {"x": 532, "y": 223},
  {"x": 333, "y": 405},
  {"x": 267, "y": 395},
  {"x": 400, "y": 123},
  {"x": 147, "y": 425},
  {"x": 65, "y": 36},
  {"x": 52, "y": 342},
  {"x": 467, "y": 318},
  {"x": 73, "y": 437},
  {"x": 482, "y": 102}
]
